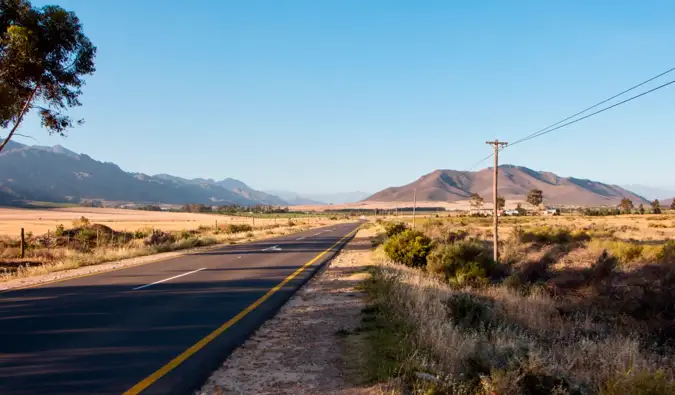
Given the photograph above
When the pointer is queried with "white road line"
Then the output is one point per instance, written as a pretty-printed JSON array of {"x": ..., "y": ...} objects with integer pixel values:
[
  {"x": 301, "y": 238},
  {"x": 273, "y": 248},
  {"x": 318, "y": 233},
  {"x": 167, "y": 279}
]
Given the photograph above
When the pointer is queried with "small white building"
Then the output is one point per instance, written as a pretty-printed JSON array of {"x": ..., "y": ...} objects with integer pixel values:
[{"x": 551, "y": 211}]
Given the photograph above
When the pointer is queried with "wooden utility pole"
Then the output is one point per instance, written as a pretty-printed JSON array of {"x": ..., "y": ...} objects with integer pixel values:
[
  {"x": 414, "y": 205},
  {"x": 495, "y": 213},
  {"x": 23, "y": 244}
]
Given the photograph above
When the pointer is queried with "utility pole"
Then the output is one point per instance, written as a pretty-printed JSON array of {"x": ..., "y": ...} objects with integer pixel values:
[
  {"x": 414, "y": 205},
  {"x": 495, "y": 213}
]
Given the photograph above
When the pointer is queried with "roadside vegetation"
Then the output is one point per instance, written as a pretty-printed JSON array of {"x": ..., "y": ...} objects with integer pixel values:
[
  {"x": 84, "y": 243},
  {"x": 570, "y": 308}
]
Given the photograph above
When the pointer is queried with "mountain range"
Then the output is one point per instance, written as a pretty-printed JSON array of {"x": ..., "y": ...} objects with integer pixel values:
[
  {"x": 324, "y": 198},
  {"x": 514, "y": 184},
  {"x": 56, "y": 174},
  {"x": 651, "y": 193}
]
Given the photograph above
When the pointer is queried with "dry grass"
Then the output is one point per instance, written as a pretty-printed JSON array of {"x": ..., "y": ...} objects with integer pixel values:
[
  {"x": 39, "y": 221},
  {"x": 87, "y": 244},
  {"x": 579, "y": 309}
]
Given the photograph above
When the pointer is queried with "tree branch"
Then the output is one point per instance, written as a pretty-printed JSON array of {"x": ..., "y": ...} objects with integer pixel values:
[{"x": 20, "y": 118}]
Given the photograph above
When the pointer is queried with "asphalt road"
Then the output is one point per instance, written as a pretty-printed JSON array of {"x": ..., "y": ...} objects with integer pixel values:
[{"x": 177, "y": 319}]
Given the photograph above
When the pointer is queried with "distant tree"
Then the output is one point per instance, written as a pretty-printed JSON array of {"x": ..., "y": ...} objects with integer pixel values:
[
  {"x": 641, "y": 209},
  {"x": 520, "y": 209},
  {"x": 501, "y": 202},
  {"x": 626, "y": 204},
  {"x": 477, "y": 201},
  {"x": 672, "y": 205},
  {"x": 656, "y": 206},
  {"x": 535, "y": 197},
  {"x": 43, "y": 56}
]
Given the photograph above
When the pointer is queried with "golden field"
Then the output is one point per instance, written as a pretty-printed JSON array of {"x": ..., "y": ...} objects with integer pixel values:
[{"x": 39, "y": 221}]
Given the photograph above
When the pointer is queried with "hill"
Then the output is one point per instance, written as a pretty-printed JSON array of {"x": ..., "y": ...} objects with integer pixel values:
[
  {"x": 514, "y": 184},
  {"x": 56, "y": 174}
]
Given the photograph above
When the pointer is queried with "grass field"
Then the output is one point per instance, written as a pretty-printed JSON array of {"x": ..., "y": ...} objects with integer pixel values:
[
  {"x": 39, "y": 221},
  {"x": 575, "y": 305},
  {"x": 59, "y": 239}
]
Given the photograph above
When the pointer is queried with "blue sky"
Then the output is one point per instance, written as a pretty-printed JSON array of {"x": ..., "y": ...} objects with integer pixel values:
[{"x": 327, "y": 96}]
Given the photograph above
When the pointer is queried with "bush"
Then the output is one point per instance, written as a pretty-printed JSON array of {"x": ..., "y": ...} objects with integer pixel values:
[
  {"x": 394, "y": 228},
  {"x": 667, "y": 253},
  {"x": 237, "y": 228},
  {"x": 548, "y": 234},
  {"x": 159, "y": 237},
  {"x": 462, "y": 262},
  {"x": 469, "y": 311},
  {"x": 82, "y": 222},
  {"x": 59, "y": 230},
  {"x": 409, "y": 248},
  {"x": 641, "y": 383}
]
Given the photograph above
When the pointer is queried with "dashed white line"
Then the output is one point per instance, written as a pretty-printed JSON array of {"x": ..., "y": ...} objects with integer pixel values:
[
  {"x": 167, "y": 279},
  {"x": 273, "y": 248},
  {"x": 301, "y": 238}
]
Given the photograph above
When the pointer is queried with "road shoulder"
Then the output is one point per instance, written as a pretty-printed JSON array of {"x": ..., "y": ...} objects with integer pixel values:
[{"x": 302, "y": 349}]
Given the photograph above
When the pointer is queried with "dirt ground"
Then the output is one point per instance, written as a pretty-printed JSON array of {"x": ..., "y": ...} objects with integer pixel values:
[
  {"x": 39, "y": 221},
  {"x": 299, "y": 351}
]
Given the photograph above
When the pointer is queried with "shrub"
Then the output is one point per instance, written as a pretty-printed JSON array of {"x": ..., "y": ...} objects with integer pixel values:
[
  {"x": 237, "y": 228},
  {"x": 548, "y": 234},
  {"x": 159, "y": 237},
  {"x": 469, "y": 311},
  {"x": 640, "y": 383},
  {"x": 667, "y": 253},
  {"x": 141, "y": 233},
  {"x": 409, "y": 248},
  {"x": 59, "y": 230},
  {"x": 462, "y": 262},
  {"x": 81, "y": 222},
  {"x": 394, "y": 228},
  {"x": 624, "y": 251}
]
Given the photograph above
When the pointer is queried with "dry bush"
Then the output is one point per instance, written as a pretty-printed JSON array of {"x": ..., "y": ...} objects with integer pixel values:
[{"x": 575, "y": 315}]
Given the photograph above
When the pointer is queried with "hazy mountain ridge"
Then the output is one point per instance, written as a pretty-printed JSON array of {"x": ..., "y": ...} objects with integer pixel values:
[
  {"x": 651, "y": 193},
  {"x": 59, "y": 175},
  {"x": 514, "y": 184},
  {"x": 320, "y": 199}
]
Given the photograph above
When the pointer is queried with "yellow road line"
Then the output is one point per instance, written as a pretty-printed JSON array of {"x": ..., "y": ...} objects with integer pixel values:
[
  {"x": 216, "y": 246},
  {"x": 174, "y": 363}
]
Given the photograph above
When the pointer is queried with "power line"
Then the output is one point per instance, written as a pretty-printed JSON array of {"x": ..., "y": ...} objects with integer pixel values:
[
  {"x": 594, "y": 113},
  {"x": 594, "y": 106},
  {"x": 546, "y": 130}
]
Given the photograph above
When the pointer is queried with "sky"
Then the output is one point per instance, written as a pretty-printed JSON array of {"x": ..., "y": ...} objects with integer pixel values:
[{"x": 334, "y": 96}]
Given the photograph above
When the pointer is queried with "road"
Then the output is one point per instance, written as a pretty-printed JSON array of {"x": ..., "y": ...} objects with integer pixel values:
[{"x": 159, "y": 328}]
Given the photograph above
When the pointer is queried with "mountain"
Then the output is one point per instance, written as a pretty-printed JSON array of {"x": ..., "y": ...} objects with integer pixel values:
[
  {"x": 57, "y": 174},
  {"x": 514, "y": 184},
  {"x": 295, "y": 199},
  {"x": 650, "y": 193},
  {"x": 321, "y": 198}
]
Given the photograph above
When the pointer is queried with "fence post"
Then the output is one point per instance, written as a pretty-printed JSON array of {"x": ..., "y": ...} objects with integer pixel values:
[{"x": 23, "y": 244}]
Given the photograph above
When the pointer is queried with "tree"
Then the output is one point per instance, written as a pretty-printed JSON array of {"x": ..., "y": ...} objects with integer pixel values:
[
  {"x": 520, "y": 209},
  {"x": 672, "y": 205},
  {"x": 626, "y": 204},
  {"x": 641, "y": 209},
  {"x": 477, "y": 201},
  {"x": 535, "y": 197},
  {"x": 656, "y": 206},
  {"x": 501, "y": 202},
  {"x": 43, "y": 56}
]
